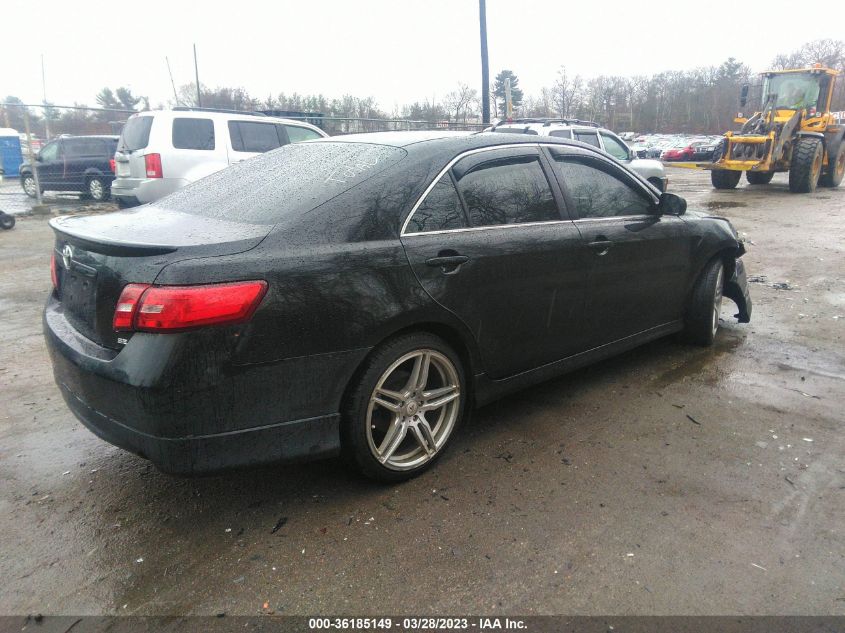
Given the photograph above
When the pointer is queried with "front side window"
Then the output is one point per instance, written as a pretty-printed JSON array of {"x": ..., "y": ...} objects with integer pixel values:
[
  {"x": 614, "y": 147},
  {"x": 591, "y": 138},
  {"x": 298, "y": 133},
  {"x": 440, "y": 211},
  {"x": 596, "y": 191},
  {"x": 248, "y": 136},
  {"x": 49, "y": 152},
  {"x": 193, "y": 134},
  {"x": 507, "y": 190}
]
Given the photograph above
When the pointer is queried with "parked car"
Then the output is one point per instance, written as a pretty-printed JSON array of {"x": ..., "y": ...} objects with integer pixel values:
[
  {"x": 163, "y": 150},
  {"x": 592, "y": 134},
  {"x": 356, "y": 295},
  {"x": 682, "y": 150},
  {"x": 73, "y": 163},
  {"x": 703, "y": 150}
]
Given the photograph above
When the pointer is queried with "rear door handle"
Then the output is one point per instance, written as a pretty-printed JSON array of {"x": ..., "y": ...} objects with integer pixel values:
[
  {"x": 601, "y": 246},
  {"x": 447, "y": 263}
]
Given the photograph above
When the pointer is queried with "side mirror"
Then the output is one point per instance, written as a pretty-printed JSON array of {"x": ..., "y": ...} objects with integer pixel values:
[
  {"x": 743, "y": 95},
  {"x": 671, "y": 204},
  {"x": 38, "y": 156}
]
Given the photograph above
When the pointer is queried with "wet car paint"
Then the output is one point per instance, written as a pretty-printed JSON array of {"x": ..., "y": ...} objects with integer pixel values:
[{"x": 340, "y": 284}]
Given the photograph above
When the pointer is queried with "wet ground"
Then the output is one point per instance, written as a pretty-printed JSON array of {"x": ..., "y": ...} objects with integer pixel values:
[{"x": 669, "y": 480}]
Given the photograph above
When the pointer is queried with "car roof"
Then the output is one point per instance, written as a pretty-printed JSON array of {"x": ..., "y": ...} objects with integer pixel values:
[
  {"x": 108, "y": 137},
  {"x": 226, "y": 115},
  {"x": 449, "y": 142}
]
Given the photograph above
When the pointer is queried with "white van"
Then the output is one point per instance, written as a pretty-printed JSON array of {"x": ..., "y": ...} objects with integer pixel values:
[{"x": 161, "y": 151}]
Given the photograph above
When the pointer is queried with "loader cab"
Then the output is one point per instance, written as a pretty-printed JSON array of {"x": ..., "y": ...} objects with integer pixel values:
[{"x": 806, "y": 89}]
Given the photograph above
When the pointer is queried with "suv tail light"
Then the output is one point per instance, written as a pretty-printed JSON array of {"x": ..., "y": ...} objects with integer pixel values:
[
  {"x": 172, "y": 308},
  {"x": 152, "y": 163},
  {"x": 112, "y": 166}
]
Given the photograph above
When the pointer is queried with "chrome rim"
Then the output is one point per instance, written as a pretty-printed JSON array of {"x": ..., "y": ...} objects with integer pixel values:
[
  {"x": 717, "y": 298},
  {"x": 29, "y": 185},
  {"x": 95, "y": 188},
  {"x": 413, "y": 409}
]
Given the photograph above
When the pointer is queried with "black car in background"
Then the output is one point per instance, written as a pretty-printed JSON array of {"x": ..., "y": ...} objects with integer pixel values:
[
  {"x": 73, "y": 163},
  {"x": 357, "y": 295}
]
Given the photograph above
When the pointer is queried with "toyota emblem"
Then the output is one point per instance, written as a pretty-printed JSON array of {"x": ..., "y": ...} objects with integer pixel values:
[{"x": 67, "y": 255}]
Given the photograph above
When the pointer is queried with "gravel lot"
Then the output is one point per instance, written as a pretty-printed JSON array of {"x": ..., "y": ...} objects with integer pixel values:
[{"x": 670, "y": 480}]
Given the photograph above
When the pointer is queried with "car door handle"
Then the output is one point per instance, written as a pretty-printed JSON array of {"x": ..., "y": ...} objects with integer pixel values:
[
  {"x": 447, "y": 263},
  {"x": 601, "y": 246}
]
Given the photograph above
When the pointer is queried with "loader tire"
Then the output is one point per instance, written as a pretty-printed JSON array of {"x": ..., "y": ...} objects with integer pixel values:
[
  {"x": 835, "y": 168},
  {"x": 725, "y": 178},
  {"x": 759, "y": 177},
  {"x": 718, "y": 151},
  {"x": 806, "y": 165}
]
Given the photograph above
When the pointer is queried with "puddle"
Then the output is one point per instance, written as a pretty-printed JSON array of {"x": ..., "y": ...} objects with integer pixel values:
[{"x": 715, "y": 205}]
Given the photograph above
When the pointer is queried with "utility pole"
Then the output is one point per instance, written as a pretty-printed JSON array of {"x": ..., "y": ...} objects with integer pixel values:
[
  {"x": 485, "y": 69},
  {"x": 197, "y": 75},
  {"x": 44, "y": 100}
]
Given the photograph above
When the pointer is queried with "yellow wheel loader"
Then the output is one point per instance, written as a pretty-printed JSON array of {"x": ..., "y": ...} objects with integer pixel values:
[{"x": 794, "y": 131}]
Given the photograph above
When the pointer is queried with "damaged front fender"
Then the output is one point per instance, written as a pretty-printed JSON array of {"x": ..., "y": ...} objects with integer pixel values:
[{"x": 736, "y": 289}]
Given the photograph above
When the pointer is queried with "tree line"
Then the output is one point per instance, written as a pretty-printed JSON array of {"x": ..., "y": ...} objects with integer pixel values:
[{"x": 701, "y": 100}]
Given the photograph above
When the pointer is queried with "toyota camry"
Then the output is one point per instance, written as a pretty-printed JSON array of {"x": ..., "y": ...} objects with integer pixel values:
[{"x": 356, "y": 296}]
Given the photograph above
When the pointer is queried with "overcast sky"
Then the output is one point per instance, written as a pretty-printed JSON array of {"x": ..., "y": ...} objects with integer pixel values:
[{"x": 397, "y": 51}]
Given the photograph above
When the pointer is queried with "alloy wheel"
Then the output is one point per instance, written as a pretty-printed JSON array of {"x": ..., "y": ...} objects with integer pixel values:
[
  {"x": 29, "y": 186},
  {"x": 413, "y": 409},
  {"x": 96, "y": 189},
  {"x": 717, "y": 298}
]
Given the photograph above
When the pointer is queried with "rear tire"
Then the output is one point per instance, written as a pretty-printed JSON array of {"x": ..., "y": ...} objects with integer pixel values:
[
  {"x": 97, "y": 189},
  {"x": 835, "y": 168},
  {"x": 391, "y": 429},
  {"x": 725, "y": 178},
  {"x": 702, "y": 318},
  {"x": 6, "y": 221},
  {"x": 806, "y": 166},
  {"x": 759, "y": 177}
]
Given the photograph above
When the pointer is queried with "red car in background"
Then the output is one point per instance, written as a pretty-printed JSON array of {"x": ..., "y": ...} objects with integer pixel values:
[{"x": 679, "y": 153}]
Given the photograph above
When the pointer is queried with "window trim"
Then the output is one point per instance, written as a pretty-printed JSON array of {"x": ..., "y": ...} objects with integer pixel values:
[{"x": 471, "y": 152}]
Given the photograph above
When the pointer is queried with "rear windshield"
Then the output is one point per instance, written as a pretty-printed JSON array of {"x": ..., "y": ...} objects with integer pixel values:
[
  {"x": 135, "y": 134},
  {"x": 292, "y": 179}
]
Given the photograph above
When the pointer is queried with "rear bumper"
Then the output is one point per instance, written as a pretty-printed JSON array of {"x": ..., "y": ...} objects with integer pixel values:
[
  {"x": 179, "y": 401},
  {"x": 145, "y": 190},
  {"x": 736, "y": 289}
]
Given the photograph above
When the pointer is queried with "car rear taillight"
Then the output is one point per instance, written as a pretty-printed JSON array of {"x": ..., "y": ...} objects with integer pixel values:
[
  {"x": 54, "y": 272},
  {"x": 172, "y": 308},
  {"x": 112, "y": 166},
  {"x": 127, "y": 306},
  {"x": 152, "y": 163}
]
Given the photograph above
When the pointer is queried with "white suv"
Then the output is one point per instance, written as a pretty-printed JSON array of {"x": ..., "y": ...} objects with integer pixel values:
[
  {"x": 592, "y": 134},
  {"x": 163, "y": 150}
]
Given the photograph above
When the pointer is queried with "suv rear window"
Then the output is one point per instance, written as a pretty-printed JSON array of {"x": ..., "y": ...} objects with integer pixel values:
[
  {"x": 248, "y": 136},
  {"x": 136, "y": 134},
  {"x": 193, "y": 133},
  {"x": 292, "y": 179}
]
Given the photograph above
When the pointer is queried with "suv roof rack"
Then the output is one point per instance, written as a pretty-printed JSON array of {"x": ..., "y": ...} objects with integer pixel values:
[
  {"x": 547, "y": 121},
  {"x": 222, "y": 110}
]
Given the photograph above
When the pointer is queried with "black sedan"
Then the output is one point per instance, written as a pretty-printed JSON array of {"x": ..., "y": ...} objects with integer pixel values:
[{"x": 358, "y": 295}]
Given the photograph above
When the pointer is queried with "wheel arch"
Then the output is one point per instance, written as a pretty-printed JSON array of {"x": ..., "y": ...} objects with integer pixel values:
[{"x": 461, "y": 342}]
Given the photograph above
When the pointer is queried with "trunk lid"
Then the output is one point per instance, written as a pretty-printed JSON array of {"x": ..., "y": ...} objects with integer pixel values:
[{"x": 96, "y": 256}]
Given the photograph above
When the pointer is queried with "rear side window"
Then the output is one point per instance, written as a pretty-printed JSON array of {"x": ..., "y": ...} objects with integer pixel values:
[
  {"x": 507, "y": 190},
  {"x": 561, "y": 133},
  {"x": 193, "y": 134},
  {"x": 248, "y": 136},
  {"x": 590, "y": 138},
  {"x": 440, "y": 211},
  {"x": 596, "y": 191},
  {"x": 136, "y": 134},
  {"x": 298, "y": 134}
]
